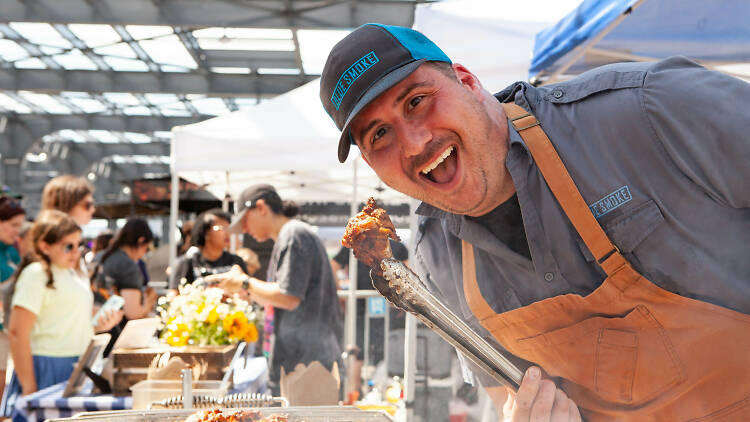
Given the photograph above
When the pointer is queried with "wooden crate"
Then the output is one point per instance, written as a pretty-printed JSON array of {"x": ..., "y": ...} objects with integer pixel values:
[{"x": 131, "y": 365}]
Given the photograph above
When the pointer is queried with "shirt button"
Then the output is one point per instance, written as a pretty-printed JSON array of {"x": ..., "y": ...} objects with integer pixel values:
[
  {"x": 549, "y": 276},
  {"x": 557, "y": 93}
]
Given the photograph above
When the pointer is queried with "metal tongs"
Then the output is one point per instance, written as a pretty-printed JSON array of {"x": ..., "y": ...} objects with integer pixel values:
[{"x": 404, "y": 289}]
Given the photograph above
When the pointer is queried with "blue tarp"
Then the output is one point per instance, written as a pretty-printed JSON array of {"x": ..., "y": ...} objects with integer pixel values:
[{"x": 712, "y": 31}]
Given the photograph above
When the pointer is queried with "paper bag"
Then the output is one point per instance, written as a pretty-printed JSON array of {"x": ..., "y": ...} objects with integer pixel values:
[
  {"x": 311, "y": 385},
  {"x": 164, "y": 367}
]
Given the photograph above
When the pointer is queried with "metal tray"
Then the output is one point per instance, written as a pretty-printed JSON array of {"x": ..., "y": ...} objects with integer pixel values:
[{"x": 295, "y": 414}]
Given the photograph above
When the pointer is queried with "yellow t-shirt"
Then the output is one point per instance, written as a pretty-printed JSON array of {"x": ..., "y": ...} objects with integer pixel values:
[{"x": 63, "y": 314}]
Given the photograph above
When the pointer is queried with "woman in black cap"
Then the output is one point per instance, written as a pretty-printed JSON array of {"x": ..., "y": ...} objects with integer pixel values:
[{"x": 300, "y": 287}]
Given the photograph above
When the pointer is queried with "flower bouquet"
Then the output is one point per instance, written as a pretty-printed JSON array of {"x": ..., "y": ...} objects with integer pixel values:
[{"x": 203, "y": 316}]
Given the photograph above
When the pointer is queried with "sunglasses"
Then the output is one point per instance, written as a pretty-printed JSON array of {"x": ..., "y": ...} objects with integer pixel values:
[
  {"x": 88, "y": 205},
  {"x": 70, "y": 247}
]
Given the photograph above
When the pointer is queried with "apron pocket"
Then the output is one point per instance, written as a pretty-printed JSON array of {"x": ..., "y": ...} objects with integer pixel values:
[{"x": 622, "y": 359}]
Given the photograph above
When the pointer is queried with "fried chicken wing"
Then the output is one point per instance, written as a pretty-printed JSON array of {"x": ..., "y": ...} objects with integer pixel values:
[
  {"x": 367, "y": 234},
  {"x": 217, "y": 415}
]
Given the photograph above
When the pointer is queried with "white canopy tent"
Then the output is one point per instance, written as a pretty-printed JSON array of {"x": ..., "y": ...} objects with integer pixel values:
[{"x": 289, "y": 142}]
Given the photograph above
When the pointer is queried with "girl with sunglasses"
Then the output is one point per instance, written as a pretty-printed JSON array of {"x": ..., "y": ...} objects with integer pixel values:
[{"x": 50, "y": 323}]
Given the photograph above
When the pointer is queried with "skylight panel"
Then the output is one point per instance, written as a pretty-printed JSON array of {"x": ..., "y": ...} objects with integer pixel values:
[
  {"x": 210, "y": 106},
  {"x": 174, "y": 69},
  {"x": 121, "y": 50},
  {"x": 71, "y": 135},
  {"x": 11, "y": 51},
  {"x": 104, "y": 136},
  {"x": 173, "y": 112},
  {"x": 89, "y": 105},
  {"x": 122, "y": 98},
  {"x": 75, "y": 60},
  {"x": 45, "y": 102},
  {"x": 126, "y": 65},
  {"x": 215, "y": 38},
  {"x": 140, "y": 32},
  {"x": 95, "y": 35},
  {"x": 245, "y": 44},
  {"x": 10, "y": 104},
  {"x": 267, "y": 33},
  {"x": 31, "y": 63},
  {"x": 137, "y": 138},
  {"x": 137, "y": 111},
  {"x": 40, "y": 33},
  {"x": 169, "y": 50},
  {"x": 231, "y": 70},
  {"x": 159, "y": 99},
  {"x": 314, "y": 46},
  {"x": 277, "y": 71}
]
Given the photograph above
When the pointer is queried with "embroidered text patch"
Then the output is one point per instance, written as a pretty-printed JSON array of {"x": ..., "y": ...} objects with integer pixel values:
[{"x": 611, "y": 201}]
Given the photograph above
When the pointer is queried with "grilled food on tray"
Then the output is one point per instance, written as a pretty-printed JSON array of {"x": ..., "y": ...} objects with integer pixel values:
[
  {"x": 217, "y": 415},
  {"x": 367, "y": 234}
]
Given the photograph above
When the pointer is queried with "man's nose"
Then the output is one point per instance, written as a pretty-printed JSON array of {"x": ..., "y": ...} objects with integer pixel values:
[{"x": 415, "y": 136}]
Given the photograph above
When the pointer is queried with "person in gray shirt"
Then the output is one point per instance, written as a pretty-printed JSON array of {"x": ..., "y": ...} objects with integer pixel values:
[
  {"x": 307, "y": 323},
  {"x": 658, "y": 154}
]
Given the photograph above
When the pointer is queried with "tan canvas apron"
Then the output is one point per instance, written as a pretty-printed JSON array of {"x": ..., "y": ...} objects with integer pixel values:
[{"x": 629, "y": 351}]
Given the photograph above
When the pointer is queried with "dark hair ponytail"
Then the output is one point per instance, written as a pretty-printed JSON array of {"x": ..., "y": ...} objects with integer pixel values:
[
  {"x": 289, "y": 208},
  {"x": 135, "y": 232}
]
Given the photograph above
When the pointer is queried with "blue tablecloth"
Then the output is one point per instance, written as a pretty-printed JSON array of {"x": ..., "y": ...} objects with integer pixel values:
[
  {"x": 250, "y": 377},
  {"x": 49, "y": 403}
]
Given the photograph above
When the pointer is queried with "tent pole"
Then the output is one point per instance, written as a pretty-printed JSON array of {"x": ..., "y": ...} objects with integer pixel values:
[
  {"x": 351, "y": 300},
  {"x": 410, "y": 332},
  {"x": 173, "y": 209}
]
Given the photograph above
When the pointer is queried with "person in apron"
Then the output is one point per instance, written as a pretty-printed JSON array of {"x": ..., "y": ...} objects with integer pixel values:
[{"x": 595, "y": 230}]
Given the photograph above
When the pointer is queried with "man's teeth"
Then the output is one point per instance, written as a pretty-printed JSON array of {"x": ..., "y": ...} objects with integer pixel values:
[{"x": 437, "y": 161}]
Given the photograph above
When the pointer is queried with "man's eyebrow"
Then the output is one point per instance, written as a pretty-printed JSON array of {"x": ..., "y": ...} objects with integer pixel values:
[{"x": 408, "y": 89}]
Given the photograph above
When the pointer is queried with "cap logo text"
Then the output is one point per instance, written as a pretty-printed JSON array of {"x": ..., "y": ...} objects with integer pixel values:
[{"x": 350, "y": 75}]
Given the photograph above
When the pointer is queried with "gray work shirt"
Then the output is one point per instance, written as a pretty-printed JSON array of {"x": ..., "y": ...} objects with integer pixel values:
[
  {"x": 661, "y": 153},
  {"x": 311, "y": 332}
]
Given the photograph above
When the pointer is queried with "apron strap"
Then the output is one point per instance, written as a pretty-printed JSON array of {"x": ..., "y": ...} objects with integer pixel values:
[
  {"x": 562, "y": 186},
  {"x": 474, "y": 298}
]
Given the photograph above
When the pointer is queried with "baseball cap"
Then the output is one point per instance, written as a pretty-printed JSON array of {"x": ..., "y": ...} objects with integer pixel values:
[
  {"x": 248, "y": 199},
  {"x": 366, "y": 63}
]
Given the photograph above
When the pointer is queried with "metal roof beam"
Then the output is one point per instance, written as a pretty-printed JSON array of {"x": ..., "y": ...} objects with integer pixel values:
[
  {"x": 52, "y": 81},
  {"x": 252, "y": 59},
  {"x": 43, "y": 124},
  {"x": 302, "y": 14}
]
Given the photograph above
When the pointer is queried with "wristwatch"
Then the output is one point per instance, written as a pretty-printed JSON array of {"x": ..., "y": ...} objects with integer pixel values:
[{"x": 246, "y": 283}]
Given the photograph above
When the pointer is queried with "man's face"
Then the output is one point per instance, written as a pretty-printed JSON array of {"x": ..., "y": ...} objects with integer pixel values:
[{"x": 439, "y": 140}]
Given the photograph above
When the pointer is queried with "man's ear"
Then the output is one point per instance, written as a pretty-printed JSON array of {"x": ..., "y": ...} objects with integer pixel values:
[{"x": 466, "y": 78}]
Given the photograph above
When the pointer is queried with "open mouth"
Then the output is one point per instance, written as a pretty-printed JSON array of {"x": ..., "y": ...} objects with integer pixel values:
[{"x": 443, "y": 168}]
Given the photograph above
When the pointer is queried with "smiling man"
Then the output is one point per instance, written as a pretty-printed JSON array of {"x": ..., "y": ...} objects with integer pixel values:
[{"x": 596, "y": 228}]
